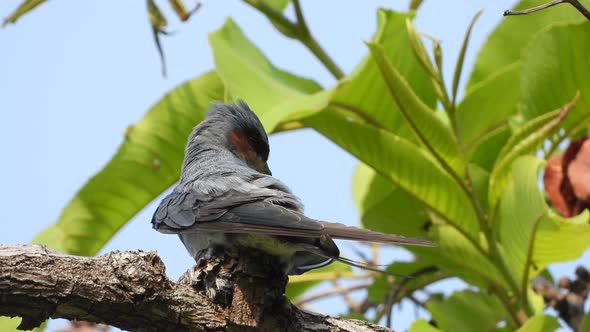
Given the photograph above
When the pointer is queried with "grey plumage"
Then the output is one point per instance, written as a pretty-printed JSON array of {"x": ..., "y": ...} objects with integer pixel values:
[{"x": 227, "y": 197}]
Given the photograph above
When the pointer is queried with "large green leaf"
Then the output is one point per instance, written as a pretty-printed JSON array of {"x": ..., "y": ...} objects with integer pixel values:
[
  {"x": 486, "y": 152},
  {"x": 511, "y": 37},
  {"x": 480, "y": 180},
  {"x": 421, "y": 325},
  {"x": 147, "y": 162},
  {"x": 384, "y": 207},
  {"x": 435, "y": 135},
  {"x": 521, "y": 210},
  {"x": 554, "y": 67},
  {"x": 540, "y": 323},
  {"x": 402, "y": 163},
  {"x": 8, "y": 324},
  {"x": 525, "y": 140},
  {"x": 533, "y": 235},
  {"x": 585, "y": 324},
  {"x": 364, "y": 90},
  {"x": 274, "y": 94},
  {"x": 561, "y": 239},
  {"x": 458, "y": 256},
  {"x": 488, "y": 105},
  {"x": 466, "y": 311}
]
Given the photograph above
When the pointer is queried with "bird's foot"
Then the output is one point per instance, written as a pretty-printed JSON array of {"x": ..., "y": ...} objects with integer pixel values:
[{"x": 212, "y": 274}]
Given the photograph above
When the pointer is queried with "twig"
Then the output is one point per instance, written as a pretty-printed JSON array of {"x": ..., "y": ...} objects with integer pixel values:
[
  {"x": 398, "y": 288},
  {"x": 417, "y": 302},
  {"x": 338, "y": 290},
  {"x": 574, "y": 3}
]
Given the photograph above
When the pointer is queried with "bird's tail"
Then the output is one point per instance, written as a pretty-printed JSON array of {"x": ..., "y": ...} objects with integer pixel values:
[{"x": 339, "y": 231}]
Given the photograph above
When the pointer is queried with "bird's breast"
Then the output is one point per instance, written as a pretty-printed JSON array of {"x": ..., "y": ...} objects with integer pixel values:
[{"x": 198, "y": 242}]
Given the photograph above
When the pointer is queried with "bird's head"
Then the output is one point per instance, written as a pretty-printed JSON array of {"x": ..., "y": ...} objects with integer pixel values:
[{"x": 234, "y": 128}]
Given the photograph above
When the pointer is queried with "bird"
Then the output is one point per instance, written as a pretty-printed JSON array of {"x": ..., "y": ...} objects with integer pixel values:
[{"x": 227, "y": 197}]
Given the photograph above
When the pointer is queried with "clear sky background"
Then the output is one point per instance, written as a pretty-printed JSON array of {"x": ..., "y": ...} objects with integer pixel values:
[{"x": 74, "y": 74}]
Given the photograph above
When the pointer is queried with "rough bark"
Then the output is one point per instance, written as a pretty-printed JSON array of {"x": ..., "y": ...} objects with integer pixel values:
[{"x": 232, "y": 291}]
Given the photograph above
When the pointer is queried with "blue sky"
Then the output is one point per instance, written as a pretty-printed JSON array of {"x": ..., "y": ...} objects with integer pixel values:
[{"x": 75, "y": 74}]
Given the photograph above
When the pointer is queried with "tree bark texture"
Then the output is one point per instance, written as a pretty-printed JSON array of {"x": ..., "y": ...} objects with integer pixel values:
[{"x": 230, "y": 291}]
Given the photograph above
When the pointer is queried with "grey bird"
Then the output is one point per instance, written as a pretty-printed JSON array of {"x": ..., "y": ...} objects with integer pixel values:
[{"x": 226, "y": 196}]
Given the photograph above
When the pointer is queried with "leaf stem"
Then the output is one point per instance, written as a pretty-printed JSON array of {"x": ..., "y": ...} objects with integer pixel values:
[
  {"x": 311, "y": 43},
  {"x": 578, "y": 124},
  {"x": 321, "y": 55},
  {"x": 298, "y": 30},
  {"x": 300, "y": 18},
  {"x": 517, "y": 316},
  {"x": 529, "y": 260}
]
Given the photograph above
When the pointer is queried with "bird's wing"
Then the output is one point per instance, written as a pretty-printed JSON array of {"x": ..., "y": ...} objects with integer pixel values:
[
  {"x": 241, "y": 213},
  {"x": 236, "y": 213}
]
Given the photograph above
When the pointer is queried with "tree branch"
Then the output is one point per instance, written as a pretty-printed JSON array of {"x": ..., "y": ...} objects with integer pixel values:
[
  {"x": 579, "y": 7},
  {"x": 130, "y": 290}
]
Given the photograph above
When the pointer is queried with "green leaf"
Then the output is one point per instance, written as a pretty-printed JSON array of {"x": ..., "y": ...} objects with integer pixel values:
[
  {"x": 458, "y": 256},
  {"x": 521, "y": 210},
  {"x": 147, "y": 162},
  {"x": 466, "y": 311},
  {"x": 364, "y": 91},
  {"x": 421, "y": 325},
  {"x": 278, "y": 5},
  {"x": 421, "y": 54},
  {"x": 424, "y": 60},
  {"x": 487, "y": 106},
  {"x": 585, "y": 324},
  {"x": 480, "y": 180},
  {"x": 157, "y": 19},
  {"x": 402, "y": 163},
  {"x": 554, "y": 67},
  {"x": 507, "y": 42},
  {"x": 274, "y": 94},
  {"x": 8, "y": 324},
  {"x": 25, "y": 7},
  {"x": 180, "y": 9},
  {"x": 540, "y": 323},
  {"x": 524, "y": 141},
  {"x": 533, "y": 235},
  {"x": 433, "y": 133},
  {"x": 561, "y": 239},
  {"x": 461, "y": 57},
  {"x": 384, "y": 207},
  {"x": 486, "y": 152}
]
